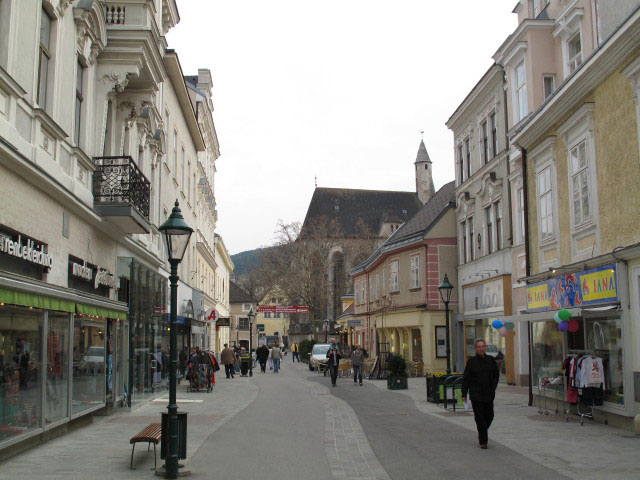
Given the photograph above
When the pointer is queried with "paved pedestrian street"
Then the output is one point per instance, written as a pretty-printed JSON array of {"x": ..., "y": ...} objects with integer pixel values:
[{"x": 294, "y": 425}]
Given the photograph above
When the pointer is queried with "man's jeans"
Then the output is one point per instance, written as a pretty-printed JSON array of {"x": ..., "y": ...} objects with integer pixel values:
[
  {"x": 276, "y": 365},
  {"x": 228, "y": 369},
  {"x": 295, "y": 357},
  {"x": 483, "y": 414},
  {"x": 334, "y": 373},
  {"x": 357, "y": 373},
  {"x": 263, "y": 365}
]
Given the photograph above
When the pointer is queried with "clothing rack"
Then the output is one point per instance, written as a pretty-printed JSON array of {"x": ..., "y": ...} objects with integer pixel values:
[{"x": 588, "y": 411}]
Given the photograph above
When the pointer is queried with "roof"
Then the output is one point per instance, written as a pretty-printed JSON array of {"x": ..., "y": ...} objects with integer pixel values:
[
  {"x": 419, "y": 224},
  {"x": 349, "y": 311},
  {"x": 422, "y": 156},
  {"x": 237, "y": 294},
  {"x": 373, "y": 207}
]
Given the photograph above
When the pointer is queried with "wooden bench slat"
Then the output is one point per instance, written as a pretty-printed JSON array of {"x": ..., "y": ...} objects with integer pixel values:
[{"x": 151, "y": 433}]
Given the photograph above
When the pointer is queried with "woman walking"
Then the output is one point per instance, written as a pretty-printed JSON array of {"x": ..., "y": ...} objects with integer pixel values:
[
  {"x": 357, "y": 362},
  {"x": 276, "y": 356}
]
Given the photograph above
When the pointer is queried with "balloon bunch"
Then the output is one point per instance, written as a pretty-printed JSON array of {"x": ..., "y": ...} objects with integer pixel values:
[
  {"x": 565, "y": 322},
  {"x": 503, "y": 328}
]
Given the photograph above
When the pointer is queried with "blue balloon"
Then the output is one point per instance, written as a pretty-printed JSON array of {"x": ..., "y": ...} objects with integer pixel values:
[
  {"x": 497, "y": 324},
  {"x": 557, "y": 318}
]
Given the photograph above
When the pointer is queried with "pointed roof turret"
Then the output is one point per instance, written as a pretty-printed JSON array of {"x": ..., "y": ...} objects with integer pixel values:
[{"x": 422, "y": 156}]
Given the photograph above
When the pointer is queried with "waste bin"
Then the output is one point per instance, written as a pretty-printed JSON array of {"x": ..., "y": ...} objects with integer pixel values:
[
  {"x": 182, "y": 435},
  {"x": 244, "y": 364}
]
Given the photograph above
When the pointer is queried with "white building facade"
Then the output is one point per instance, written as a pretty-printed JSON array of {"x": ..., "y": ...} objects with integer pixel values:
[{"x": 99, "y": 136}]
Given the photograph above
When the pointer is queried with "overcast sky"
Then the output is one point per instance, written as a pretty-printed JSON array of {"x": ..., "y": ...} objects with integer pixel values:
[{"x": 337, "y": 89}]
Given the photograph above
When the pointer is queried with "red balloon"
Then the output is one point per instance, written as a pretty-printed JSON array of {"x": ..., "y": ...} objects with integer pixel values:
[{"x": 574, "y": 326}]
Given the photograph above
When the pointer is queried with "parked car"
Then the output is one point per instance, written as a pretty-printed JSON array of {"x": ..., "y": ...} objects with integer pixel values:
[
  {"x": 492, "y": 350},
  {"x": 92, "y": 361},
  {"x": 318, "y": 357}
]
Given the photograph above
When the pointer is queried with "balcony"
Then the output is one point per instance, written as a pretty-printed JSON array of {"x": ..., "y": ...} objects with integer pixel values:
[{"x": 121, "y": 193}]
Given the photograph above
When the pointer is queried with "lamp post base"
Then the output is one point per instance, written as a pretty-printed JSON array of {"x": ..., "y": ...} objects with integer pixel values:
[{"x": 161, "y": 471}]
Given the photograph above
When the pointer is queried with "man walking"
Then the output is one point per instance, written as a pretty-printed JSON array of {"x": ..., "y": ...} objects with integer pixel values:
[
  {"x": 262, "y": 355},
  {"x": 294, "y": 352},
  {"x": 276, "y": 356},
  {"x": 357, "y": 362},
  {"x": 334, "y": 360},
  {"x": 481, "y": 376},
  {"x": 228, "y": 358}
]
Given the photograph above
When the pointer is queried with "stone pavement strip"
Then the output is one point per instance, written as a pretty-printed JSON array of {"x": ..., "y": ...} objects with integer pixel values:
[
  {"x": 346, "y": 445},
  {"x": 591, "y": 452}
]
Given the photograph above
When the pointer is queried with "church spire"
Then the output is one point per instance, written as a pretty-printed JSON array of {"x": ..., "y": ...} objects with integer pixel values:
[{"x": 424, "y": 180}]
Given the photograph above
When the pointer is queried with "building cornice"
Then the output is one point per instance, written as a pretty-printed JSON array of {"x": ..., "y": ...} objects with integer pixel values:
[{"x": 597, "y": 67}]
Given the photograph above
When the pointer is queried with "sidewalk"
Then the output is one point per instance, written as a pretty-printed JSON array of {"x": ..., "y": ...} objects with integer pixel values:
[
  {"x": 590, "y": 452},
  {"x": 102, "y": 450}
]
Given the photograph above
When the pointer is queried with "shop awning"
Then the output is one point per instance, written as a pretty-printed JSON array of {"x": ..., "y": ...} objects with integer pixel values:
[
  {"x": 99, "y": 311},
  {"x": 37, "y": 301}
]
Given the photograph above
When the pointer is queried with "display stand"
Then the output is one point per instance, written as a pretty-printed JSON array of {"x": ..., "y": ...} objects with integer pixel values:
[{"x": 557, "y": 385}]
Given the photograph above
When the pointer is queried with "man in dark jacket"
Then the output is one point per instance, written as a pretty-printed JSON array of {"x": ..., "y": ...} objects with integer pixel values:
[
  {"x": 333, "y": 361},
  {"x": 481, "y": 376},
  {"x": 262, "y": 355}
]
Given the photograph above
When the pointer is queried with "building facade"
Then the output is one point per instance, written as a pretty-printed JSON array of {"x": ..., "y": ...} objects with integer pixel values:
[
  {"x": 98, "y": 139},
  {"x": 396, "y": 289}
]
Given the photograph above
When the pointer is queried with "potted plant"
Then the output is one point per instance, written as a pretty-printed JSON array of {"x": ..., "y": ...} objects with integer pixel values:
[{"x": 397, "y": 373}]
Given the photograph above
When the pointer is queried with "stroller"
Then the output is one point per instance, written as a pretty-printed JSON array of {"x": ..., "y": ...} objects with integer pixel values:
[{"x": 202, "y": 366}]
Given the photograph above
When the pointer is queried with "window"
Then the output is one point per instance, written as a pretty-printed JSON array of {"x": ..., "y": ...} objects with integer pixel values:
[
  {"x": 494, "y": 134},
  {"x": 276, "y": 315},
  {"x": 488, "y": 219},
  {"x": 79, "y": 100},
  {"x": 497, "y": 214},
  {"x": 472, "y": 255},
  {"x": 377, "y": 285},
  {"x": 246, "y": 307},
  {"x": 243, "y": 323},
  {"x": 415, "y": 271},
  {"x": 182, "y": 167},
  {"x": 175, "y": 154},
  {"x": 574, "y": 47},
  {"x": 267, "y": 314},
  {"x": 467, "y": 147},
  {"x": 362, "y": 295},
  {"x": 461, "y": 163},
  {"x": 274, "y": 300},
  {"x": 384, "y": 281},
  {"x": 520, "y": 88},
  {"x": 545, "y": 203},
  {"x": 548, "y": 84},
  {"x": 520, "y": 214},
  {"x": 393, "y": 280},
  {"x": 44, "y": 57},
  {"x": 189, "y": 181},
  {"x": 463, "y": 242},
  {"x": 485, "y": 142},
  {"x": 580, "y": 184}
]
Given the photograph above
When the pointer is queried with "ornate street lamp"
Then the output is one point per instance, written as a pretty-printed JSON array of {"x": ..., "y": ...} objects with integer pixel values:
[
  {"x": 176, "y": 234},
  {"x": 326, "y": 330},
  {"x": 251, "y": 316},
  {"x": 446, "y": 289}
]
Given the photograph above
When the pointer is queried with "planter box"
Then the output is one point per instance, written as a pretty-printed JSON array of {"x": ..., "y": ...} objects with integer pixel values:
[{"x": 397, "y": 383}]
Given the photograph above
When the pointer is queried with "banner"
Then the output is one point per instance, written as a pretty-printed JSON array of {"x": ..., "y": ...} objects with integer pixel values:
[
  {"x": 283, "y": 308},
  {"x": 588, "y": 287}
]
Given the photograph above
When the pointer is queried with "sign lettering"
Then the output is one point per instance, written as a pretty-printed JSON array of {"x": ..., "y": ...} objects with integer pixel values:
[{"x": 29, "y": 252}]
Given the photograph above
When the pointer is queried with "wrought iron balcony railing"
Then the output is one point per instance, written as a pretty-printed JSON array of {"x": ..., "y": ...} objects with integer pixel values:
[{"x": 119, "y": 181}]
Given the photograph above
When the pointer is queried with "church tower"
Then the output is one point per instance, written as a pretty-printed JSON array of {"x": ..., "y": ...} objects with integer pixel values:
[{"x": 424, "y": 180}]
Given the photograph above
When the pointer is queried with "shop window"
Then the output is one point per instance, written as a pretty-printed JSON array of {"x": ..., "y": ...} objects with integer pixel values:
[
  {"x": 604, "y": 339},
  {"x": 57, "y": 388},
  {"x": 547, "y": 354},
  {"x": 20, "y": 386},
  {"x": 416, "y": 341},
  {"x": 88, "y": 363}
]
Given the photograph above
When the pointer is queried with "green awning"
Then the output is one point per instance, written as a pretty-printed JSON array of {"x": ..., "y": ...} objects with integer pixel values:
[
  {"x": 12, "y": 297},
  {"x": 37, "y": 301},
  {"x": 99, "y": 311}
]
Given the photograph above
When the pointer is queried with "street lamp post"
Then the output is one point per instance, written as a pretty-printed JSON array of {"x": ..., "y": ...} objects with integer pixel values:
[
  {"x": 176, "y": 234},
  {"x": 251, "y": 316},
  {"x": 446, "y": 289},
  {"x": 326, "y": 330}
]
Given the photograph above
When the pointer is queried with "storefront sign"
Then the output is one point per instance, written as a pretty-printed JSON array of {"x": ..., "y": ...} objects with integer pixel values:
[
  {"x": 223, "y": 322},
  {"x": 588, "y": 287},
  {"x": 212, "y": 315},
  {"x": 283, "y": 308},
  {"x": 484, "y": 297},
  {"x": 30, "y": 252},
  {"x": 99, "y": 276},
  {"x": 354, "y": 323}
]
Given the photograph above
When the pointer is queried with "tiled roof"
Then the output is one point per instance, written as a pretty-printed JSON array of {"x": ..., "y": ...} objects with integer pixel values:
[
  {"x": 373, "y": 207},
  {"x": 419, "y": 224},
  {"x": 237, "y": 294},
  {"x": 422, "y": 156}
]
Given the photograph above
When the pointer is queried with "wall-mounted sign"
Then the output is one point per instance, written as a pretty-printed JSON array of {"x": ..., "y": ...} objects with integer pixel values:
[
  {"x": 25, "y": 249},
  {"x": 354, "y": 323},
  {"x": 441, "y": 342},
  {"x": 98, "y": 276},
  {"x": 212, "y": 315},
  {"x": 223, "y": 322},
  {"x": 260, "y": 327},
  {"x": 483, "y": 297},
  {"x": 588, "y": 287},
  {"x": 283, "y": 308}
]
